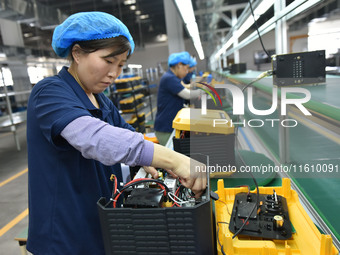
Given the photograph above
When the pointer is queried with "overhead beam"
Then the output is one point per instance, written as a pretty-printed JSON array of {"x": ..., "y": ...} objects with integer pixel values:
[
  {"x": 289, "y": 12},
  {"x": 221, "y": 9},
  {"x": 225, "y": 18},
  {"x": 215, "y": 31}
]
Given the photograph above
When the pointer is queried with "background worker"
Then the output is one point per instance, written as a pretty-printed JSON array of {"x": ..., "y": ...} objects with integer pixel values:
[
  {"x": 76, "y": 138},
  {"x": 172, "y": 94},
  {"x": 191, "y": 71}
]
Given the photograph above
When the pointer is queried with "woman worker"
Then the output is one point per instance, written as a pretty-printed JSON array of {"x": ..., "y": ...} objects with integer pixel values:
[
  {"x": 172, "y": 94},
  {"x": 76, "y": 138},
  {"x": 192, "y": 67}
]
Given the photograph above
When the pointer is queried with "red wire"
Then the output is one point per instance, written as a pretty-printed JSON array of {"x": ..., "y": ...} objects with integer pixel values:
[
  {"x": 136, "y": 180},
  {"x": 176, "y": 194},
  {"x": 139, "y": 179},
  {"x": 176, "y": 204}
]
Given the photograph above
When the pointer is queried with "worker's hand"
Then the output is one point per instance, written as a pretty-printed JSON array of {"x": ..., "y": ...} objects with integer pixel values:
[
  {"x": 171, "y": 173},
  {"x": 199, "y": 85},
  {"x": 151, "y": 170},
  {"x": 192, "y": 174}
]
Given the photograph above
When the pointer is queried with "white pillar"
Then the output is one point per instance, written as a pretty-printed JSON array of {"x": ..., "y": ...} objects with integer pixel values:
[
  {"x": 280, "y": 29},
  {"x": 174, "y": 27},
  {"x": 235, "y": 37},
  {"x": 281, "y": 48}
]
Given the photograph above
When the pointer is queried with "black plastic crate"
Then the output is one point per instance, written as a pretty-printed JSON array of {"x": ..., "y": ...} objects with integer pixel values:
[
  {"x": 160, "y": 231},
  {"x": 157, "y": 231}
]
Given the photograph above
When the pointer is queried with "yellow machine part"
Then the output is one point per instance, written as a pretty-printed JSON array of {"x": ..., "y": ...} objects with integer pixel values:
[
  {"x": 307, "y": 239},
  {"x": 189, "y": 119}
]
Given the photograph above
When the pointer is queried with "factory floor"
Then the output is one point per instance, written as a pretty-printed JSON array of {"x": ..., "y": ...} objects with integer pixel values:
[
  {"x": 13, "y": 190},
  {"x": 14, "y": 186}
]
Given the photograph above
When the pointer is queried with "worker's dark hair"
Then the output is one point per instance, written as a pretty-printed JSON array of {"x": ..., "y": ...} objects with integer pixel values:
[
  {"x": 179, "y": 63},
  {"x": 121, "y": 44}
]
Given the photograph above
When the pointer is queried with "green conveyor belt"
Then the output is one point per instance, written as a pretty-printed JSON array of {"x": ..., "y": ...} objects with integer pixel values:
[
  {"x": 248, "y": 158},
  {"x": 307, "y": 146},
  {"x": 325, "y": 98}
]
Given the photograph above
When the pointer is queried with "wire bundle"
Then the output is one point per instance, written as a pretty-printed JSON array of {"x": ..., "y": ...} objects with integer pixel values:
[{"x": 116, "y": 193}]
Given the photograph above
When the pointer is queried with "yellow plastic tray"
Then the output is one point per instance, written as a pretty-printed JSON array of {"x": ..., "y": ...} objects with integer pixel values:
[
  {"x": 133, "y": 109},
  {"x": 130, "y": 89},
  {"x": 129, "y": 100},
  {"x": 307, "y": 239}
]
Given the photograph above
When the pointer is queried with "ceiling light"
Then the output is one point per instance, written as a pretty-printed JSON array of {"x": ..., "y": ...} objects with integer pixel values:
[
  {"x": 134, "y": 66},
  {"x": 133, "y": 7},
  {"x": 138, "y": 12},
  {"x": 161, "y": 38},
  {"x": 28, "y": 35},
  {"x": 186, "y": 10},
  {"x": 199, "y": 49},
  {"x": 315, "y": 20},
  {"x": 128, "y": 2},
  {"x": 193, "y": 31},
  {"x": 145, "y": 16},
  {"x": 50, "y": 27}
]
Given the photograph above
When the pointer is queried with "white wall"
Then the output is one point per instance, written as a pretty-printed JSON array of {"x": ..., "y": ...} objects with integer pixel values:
[
  {"x": 298, "y": 44},
  {"x": 247, "y": 53},
  {"x": 325, "y": 34},
  {"x": 150, "y": 56},
  {"x": 154, "y": 54}
]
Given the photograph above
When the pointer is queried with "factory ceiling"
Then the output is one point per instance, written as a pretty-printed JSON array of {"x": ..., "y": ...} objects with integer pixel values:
[{"x": 144, "y": 18}]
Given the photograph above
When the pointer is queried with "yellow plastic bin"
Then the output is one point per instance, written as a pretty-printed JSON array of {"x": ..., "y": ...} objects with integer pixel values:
[{"x": 307, "y": 239}]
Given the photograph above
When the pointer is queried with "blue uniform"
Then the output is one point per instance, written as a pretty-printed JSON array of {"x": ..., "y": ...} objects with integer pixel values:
[
  {"x": 187, "y": 78},
  {"x": 64, "y": 187},
  {"x": 168, "y": 102}
]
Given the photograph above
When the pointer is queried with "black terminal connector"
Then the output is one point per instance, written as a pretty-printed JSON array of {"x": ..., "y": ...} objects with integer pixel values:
[{"x": 214, "y": 195}]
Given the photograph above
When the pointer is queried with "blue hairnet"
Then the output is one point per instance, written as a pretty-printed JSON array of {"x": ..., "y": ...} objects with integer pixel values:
[
  {"x": 180, "y": 57},
  {"x": 86, "y": 26},
  {"x": 192, "y": 62}
]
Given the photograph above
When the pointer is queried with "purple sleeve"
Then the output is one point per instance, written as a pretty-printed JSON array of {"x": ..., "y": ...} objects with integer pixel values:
[{"x": 98, "y": 140}]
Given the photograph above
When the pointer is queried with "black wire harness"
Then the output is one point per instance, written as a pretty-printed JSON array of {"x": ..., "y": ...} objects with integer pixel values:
[{"x": 257, "y": 29}]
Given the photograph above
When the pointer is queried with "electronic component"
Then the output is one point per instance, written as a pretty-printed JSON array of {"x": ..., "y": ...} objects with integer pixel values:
[
  {"x": 269, "y": 219},
  {"x": 144, "y": 198},
  {"x": 171, "y": 183},
  {"x": 299, "y": 68}
]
